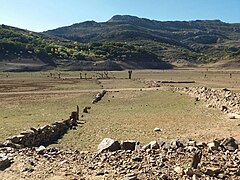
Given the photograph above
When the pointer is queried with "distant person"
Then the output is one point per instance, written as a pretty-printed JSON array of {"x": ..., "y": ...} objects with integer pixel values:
[
  {"x": 230, "y": 75},
  {"x": 80, "y": 75},
  {"x": 85, "y": 75}
]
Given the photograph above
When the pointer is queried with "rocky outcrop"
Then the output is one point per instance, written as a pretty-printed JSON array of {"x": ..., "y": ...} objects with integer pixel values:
[{"x": 223, "y": 99}]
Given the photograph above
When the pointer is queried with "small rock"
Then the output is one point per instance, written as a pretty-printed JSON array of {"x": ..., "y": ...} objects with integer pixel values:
[
  {"x": 154, "y": 145},
  {"x": 212, "y": 171},
  {"x": 163, "y": 176},
  {"x": 213, "y": 146},
  {"x": 176, "y": 144},
  {"x": 231, "y": 116},
  {"x": 189, "y": 172},
  {"x": 157, "y": 129},
  {"x": 4, "y": 162},
  {"x": 40, "y": 150},
  {"x": 201, "y": 144},
  {"x": 221, "y": 176},
  {"x": 130, "y": 177},
  {"x": 191, "y": 143},
  {"x": 137, "y": 158},
  {"x": 100, "y": 173},
  {"x": 194, "y": 177},
  {"x": 178, "y": 170}
]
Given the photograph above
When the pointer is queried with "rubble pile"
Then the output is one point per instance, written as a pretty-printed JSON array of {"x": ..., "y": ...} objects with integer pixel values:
[{"x": 160, "y": 159}]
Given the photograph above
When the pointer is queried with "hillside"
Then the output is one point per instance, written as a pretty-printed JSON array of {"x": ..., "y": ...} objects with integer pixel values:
[
  {"x": 22, "y": 50},
  {"x": 200, "y": 41},
  {"x": 123, "y": 42}
]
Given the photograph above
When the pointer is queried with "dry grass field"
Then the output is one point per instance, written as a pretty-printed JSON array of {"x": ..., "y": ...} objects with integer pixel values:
[{"x": 35, "y": 99}]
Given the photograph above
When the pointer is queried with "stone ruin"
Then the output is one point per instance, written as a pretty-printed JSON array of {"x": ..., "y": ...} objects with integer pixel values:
[
  {"x": 223, "y": 99},
  {"x": 43, "y": 135}
]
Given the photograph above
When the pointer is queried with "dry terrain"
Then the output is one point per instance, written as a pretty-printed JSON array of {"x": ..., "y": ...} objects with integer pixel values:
[
  {"x": 131, "y": 109},
  {"x": 34, "y": 99}
]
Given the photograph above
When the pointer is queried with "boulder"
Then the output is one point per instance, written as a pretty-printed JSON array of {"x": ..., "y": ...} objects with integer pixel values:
[
  {"x": 109, "y": 144},
  {"x": 229, "y": 144},
  {"x": 130, "y": 145}
]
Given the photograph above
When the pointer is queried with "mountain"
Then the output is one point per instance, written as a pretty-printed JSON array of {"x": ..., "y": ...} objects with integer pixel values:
[
  {"x": 199, "y": 41},
  {"x": 123, "y": 42},
  {"x": 22, "y": 50}
]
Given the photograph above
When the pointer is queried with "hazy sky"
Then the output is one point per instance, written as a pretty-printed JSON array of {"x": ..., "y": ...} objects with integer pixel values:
[{"x": 40, "y": 15}]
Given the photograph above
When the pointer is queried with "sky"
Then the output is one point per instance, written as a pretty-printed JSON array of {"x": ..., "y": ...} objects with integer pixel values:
[{"x": 42, "y": 15}]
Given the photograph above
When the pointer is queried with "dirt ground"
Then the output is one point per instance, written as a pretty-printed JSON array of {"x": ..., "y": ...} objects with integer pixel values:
[
  {"x": 131, "y": 109},
  {"x": 34, "y": 99}
]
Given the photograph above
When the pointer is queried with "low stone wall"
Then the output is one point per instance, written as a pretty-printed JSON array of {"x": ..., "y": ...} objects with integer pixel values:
[
  {"x": 40, "y": 136},
  {"x": 223, "y": 99},
  {"x": 99, "y": 96}
]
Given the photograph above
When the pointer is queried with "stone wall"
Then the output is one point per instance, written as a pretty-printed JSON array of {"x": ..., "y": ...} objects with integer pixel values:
[
  {"x": 223, "y": 99},
  {"x": 40, "y": 136}
]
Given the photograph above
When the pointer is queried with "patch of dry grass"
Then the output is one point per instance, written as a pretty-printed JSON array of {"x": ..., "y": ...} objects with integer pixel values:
[{"x": 134, "y": 115}]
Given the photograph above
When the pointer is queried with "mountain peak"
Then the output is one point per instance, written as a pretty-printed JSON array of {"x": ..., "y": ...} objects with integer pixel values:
[{"x": 124, "y": 18}]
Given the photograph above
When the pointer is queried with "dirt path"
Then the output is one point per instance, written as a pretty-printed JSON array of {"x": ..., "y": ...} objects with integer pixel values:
[{"x": 76, "y": 91}]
